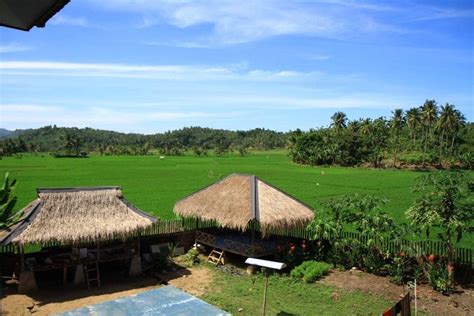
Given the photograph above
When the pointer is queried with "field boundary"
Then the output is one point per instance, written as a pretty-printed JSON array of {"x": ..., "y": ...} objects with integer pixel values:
[{"x": 462, "y": 255}]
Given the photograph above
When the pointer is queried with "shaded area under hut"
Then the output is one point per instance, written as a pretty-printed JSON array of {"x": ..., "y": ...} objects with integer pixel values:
[
  {"x": 247, "y": 211},
  {"x": 78, "y": 228}
]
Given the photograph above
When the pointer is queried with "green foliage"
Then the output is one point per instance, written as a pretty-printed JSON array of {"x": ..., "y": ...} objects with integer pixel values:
[
  {"x": 445, "y": 202},
  {"x": 365, "y": 213},
  {"x": 435, "y": 135},
  {"x": 172, "y": 249},
  {"x": 403, "y": 268},
  {"x": 439, "y": 279},
  {"x": 8, "y": 215},
  {"x": 173, "y": 143},
  {"x": 310, "y": 271},
  {"x": 192, "y": 256}
]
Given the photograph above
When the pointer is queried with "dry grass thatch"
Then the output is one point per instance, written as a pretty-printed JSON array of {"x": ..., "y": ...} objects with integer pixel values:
[
  {"x": 239, "y": 199},
  {"x": 81, "y": 215}
]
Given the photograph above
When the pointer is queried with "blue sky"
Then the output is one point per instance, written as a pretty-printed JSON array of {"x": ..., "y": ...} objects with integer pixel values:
[{"x": 151, "y": 66}]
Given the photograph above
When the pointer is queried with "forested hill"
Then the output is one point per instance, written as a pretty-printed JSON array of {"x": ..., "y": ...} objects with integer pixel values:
[
  {"x": 429, "y": 136},
  {"x": 57, "y": 139}
]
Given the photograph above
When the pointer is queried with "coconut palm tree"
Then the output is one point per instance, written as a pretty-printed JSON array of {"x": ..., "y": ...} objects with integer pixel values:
[
  {"x": 339, "y": 120},
  {"x": 413, "y": 119},
  {"x": 396, "y": 124},
  {"x": 459, "y": 123},
  {"x": 449, "y": 123},
  {"x": 445, "y": 124},
  {"x": 429, "y": 115}
]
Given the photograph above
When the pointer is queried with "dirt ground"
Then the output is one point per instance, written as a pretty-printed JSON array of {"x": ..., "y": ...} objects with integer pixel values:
[
  {"x": 56, "y": 300},
  {"x": 194, "y": 281},
  {"x": 434, "y": 303}
]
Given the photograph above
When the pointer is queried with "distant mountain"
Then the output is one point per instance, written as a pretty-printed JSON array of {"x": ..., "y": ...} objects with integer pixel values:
[{"x": 5, "y": 133}]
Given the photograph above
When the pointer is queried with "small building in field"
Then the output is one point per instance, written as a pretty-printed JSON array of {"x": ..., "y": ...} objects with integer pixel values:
[
  {"x": 243, "y": 205},
  {"x": 73, "y": 223}
]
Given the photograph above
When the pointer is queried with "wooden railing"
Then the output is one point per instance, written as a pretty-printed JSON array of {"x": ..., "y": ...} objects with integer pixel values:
[{"x": 206, "y": 238}]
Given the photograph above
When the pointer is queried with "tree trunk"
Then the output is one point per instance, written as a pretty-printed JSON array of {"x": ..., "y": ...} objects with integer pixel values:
[
  {"x": 441, "y": 141},
  {"x": 450, "y": 267},
  {"x": 395, "y": 152}
]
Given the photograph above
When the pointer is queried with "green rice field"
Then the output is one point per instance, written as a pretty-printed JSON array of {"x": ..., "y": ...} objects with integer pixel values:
[{"x": 155, "y": 184}]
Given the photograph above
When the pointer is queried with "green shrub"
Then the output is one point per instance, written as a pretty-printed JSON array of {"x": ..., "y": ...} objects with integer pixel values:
[
  {"x": 310, "y": 271},
  {"x": 439, "y": 279},
  {"x": 192, "y": 256}
]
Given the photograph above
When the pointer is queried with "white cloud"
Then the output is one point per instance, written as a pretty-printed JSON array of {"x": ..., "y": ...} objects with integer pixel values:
[
  {"x": 157, "y": 72},
  {"x": 286, "y": 102},
  {"x": 430, "y": 13},
  {"x": 14, "y": 115},
  {"x": 14, "y": 48},
  {"x": 234, "y": 22},
  {"x": 247, "y": 21},
  {"x": 182, "y": 44},
  {"x": 317, "y": 57},
  {"x": 28, "y": 108},
  {"x": 65, "y": 20}
]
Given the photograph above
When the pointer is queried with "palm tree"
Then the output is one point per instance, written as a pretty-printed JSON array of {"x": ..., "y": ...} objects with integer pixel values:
[
  {"x": 366, "y": 127},
  {"x": 413, "y": 119},
  {"x": 396, "y": 124},
  {"x": 429, "y": 114},
  {"x": 449, "y": 123},
  {"x": 445, "y": 124},
  {"x": 339, "y": 120},
  {"x": 459, "y": 122}
]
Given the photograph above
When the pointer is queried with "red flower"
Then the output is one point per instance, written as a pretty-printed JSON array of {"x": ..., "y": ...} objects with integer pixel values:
[
  {"x": 432, "y": 258},
  {"x": 292, "y": 248}
]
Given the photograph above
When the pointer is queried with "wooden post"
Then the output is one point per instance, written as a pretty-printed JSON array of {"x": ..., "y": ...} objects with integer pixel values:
[
  {"x": 196, "y": 227},
  {"x": 253, "y": 241},
  {"x": 22, "y": 258},
  {"x": 416, "y": 302},
  {"x": 64, "y": 274},
  {"x": 138, "y": 244}
]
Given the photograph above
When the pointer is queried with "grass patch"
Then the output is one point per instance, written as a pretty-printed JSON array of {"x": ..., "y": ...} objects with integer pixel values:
[
  {"x": 287, "y": 296},
  {"x": 310, "y": 271}
]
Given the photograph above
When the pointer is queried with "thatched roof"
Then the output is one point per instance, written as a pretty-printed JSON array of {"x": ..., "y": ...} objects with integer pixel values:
[
  {"x": 75, "y": 215},
  {"x": 238, "y": 199}
]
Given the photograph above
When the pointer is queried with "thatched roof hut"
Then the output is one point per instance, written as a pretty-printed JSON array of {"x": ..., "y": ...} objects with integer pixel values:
[
  {"x": 70, "y": 215},
  {"x": 238, "y": 199}
]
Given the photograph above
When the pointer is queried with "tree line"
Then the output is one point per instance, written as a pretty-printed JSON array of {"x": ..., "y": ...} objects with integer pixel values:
[
  {"x": 66, "y": 141},
  {"x": 426, "y": 135}
]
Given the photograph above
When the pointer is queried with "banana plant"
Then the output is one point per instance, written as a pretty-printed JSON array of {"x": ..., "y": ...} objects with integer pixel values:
[{"x": 8, "y": 215}]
